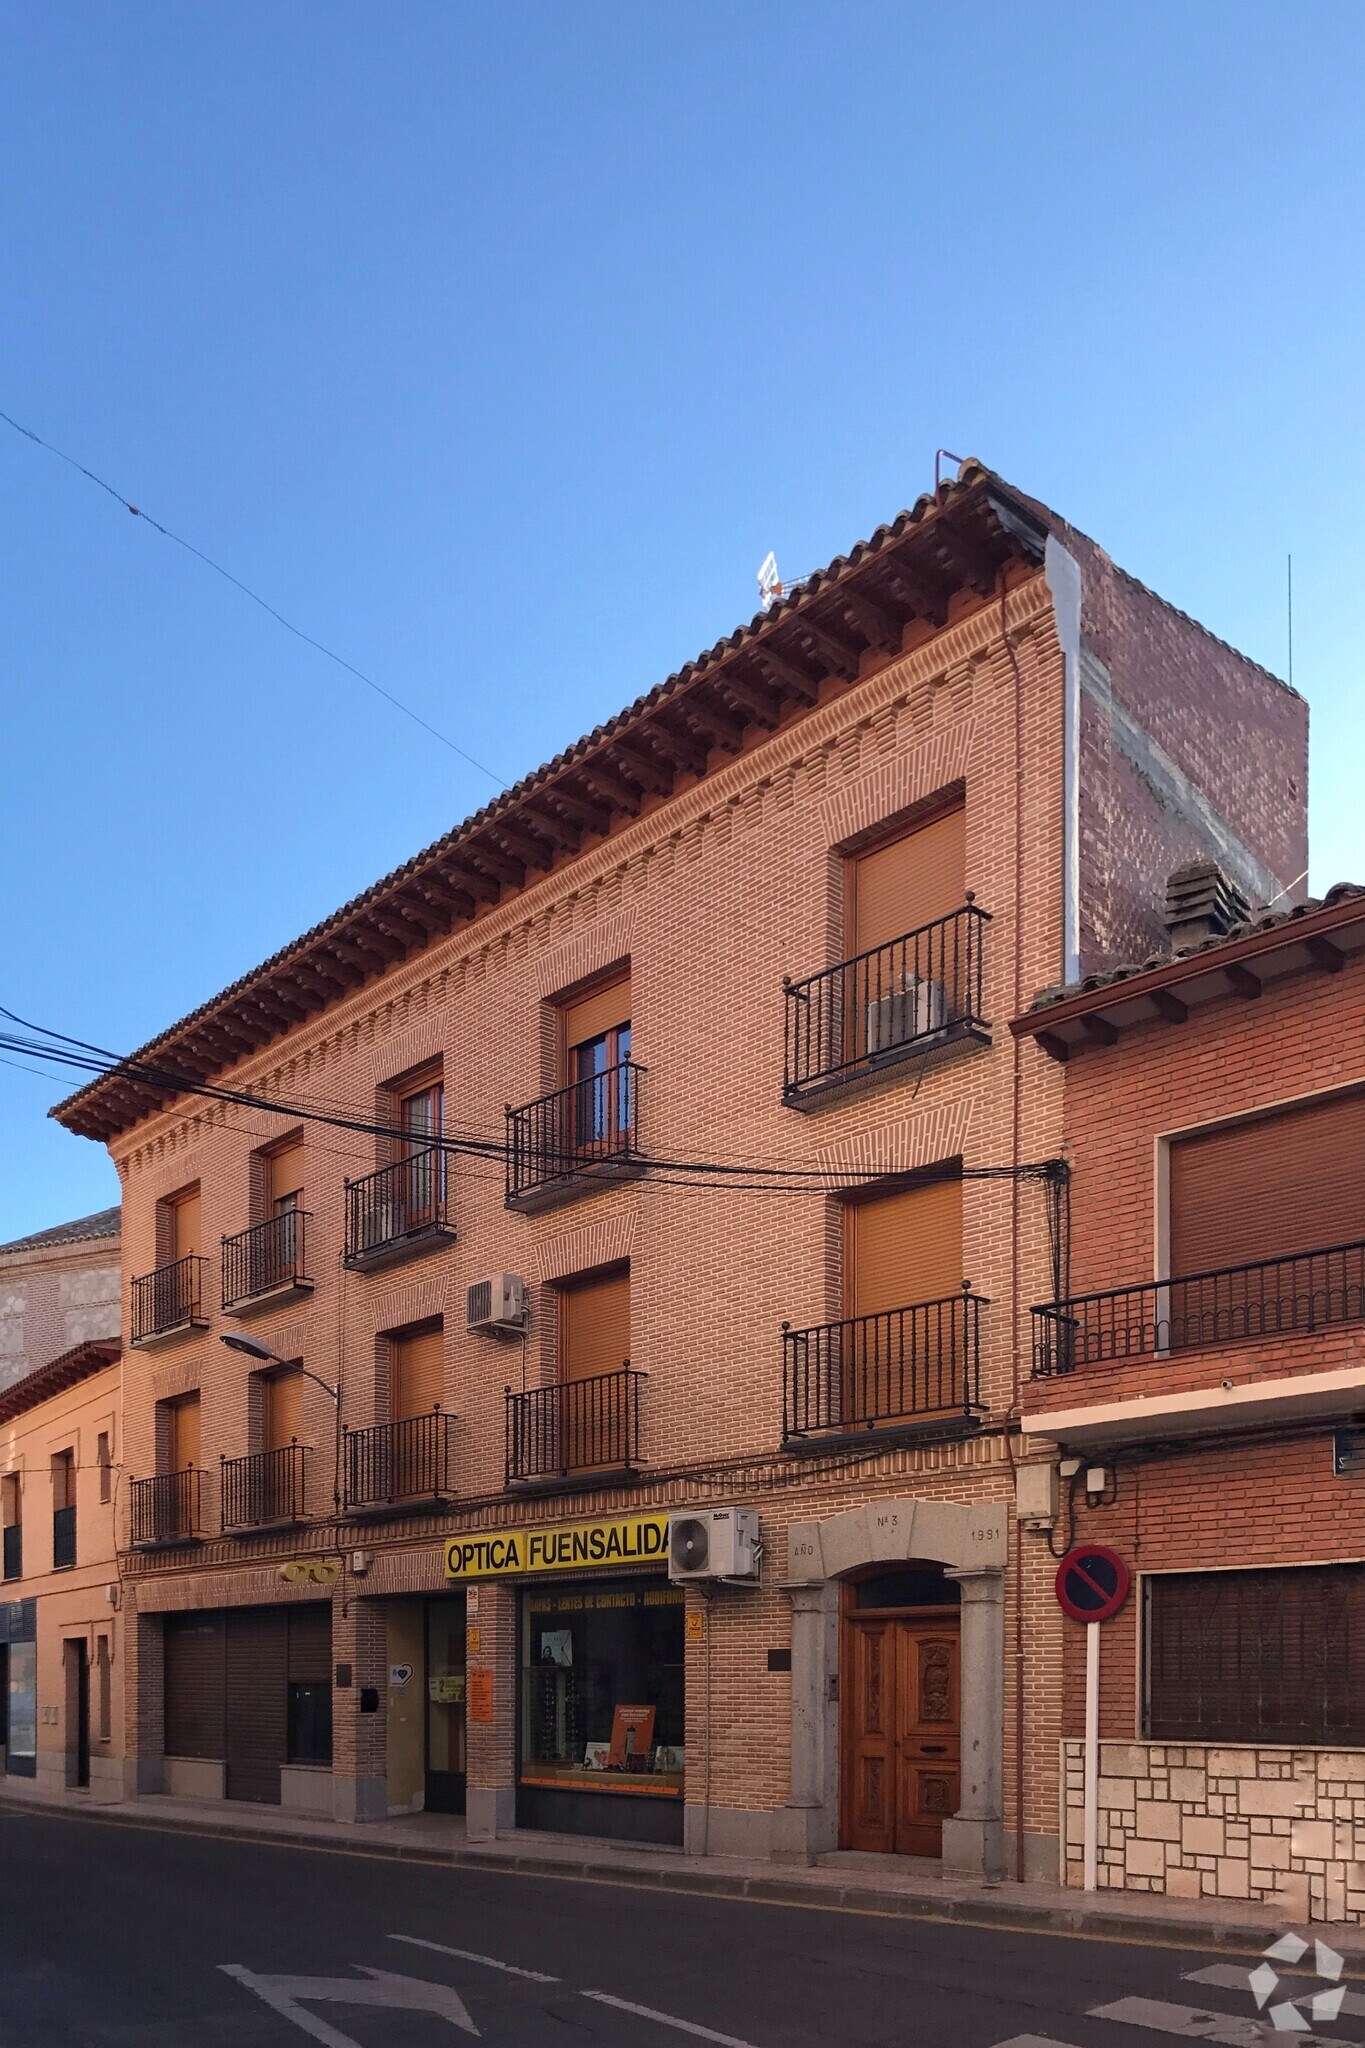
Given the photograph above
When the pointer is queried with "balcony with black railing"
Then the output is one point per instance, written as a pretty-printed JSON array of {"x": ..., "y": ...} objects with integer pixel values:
[
  {"x": 398, "y": 1212},
  {"x": 264, "y": 1489},
  {"x": 169, "y": 1301},
  {"x": 575, "y": 1138},
  {"x": 574, "y": 1431},
  {"x": 267, "y": 1263},
  {"x": 166, "y": 1509},
  {"x": 915, "y": 1369},
  {"x": 399, "y": 1464},
  {"x": 1265, "y": 1301},
  {"x": 63, "y": 1538},
  {"x": 909, "y": 997},
  {"x": 13, "y": 1550}
]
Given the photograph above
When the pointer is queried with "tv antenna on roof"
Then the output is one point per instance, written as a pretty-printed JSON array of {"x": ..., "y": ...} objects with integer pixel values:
[{"x": 771, "y": 586}]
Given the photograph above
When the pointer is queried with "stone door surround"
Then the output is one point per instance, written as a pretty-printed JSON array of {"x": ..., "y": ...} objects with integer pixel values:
[{"x": 971, "y": 1542}]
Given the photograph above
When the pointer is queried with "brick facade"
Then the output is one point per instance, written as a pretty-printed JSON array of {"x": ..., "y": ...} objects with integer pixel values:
[
  {"x": 711, "y": 895},
  {"x": 1253, "y": 1820}
]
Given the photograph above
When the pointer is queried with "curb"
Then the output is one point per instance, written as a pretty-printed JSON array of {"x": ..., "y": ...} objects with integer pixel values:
[{"x": 989, "y": 1911}]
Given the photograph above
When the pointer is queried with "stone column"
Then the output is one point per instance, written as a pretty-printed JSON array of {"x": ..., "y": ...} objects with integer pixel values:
[
  {"x": 808, "y": 1824},
  {"x": 492, "y": 1649},
  {"x": 974, "y": 1839}
]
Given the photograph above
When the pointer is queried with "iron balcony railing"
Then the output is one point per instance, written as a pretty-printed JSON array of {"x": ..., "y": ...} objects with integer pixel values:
[
  {"x": 904, "y": 997},
  {"x": 394, "y": 1462},
  {"x": 1194, "y": 1311},
  {"x": 267, "y": 1256},
  {"x": 576, "y": 1426},
  {"x": 165, "y": 1509},
  {"x": 264, "y": 1487},
  {"x": 14, "y": 1551},
  {"x": 903, "y": 1366},
  {"x": 169, "y": 1298},
  {"x": 400, "y": 1202},
  {"x": 63, "y": 1538},
  {"x": 592, "y": 1123}
]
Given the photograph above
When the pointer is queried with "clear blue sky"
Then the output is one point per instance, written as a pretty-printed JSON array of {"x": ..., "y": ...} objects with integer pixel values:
[{"x": 496, "y": 345}]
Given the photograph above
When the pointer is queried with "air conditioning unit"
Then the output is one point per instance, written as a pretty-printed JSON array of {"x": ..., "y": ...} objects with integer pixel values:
[
  {"x": 917, "y": 1009},
  {"x": 714, "y": 1543},
  {"x": 497, "y": 1303}
]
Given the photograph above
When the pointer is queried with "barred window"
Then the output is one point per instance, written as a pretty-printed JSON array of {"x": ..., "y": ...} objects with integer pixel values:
[{"x": 1273, "y": 1656}]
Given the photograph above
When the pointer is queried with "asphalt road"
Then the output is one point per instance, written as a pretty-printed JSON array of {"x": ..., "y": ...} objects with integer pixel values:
[{"x": 119, "y": 1937}]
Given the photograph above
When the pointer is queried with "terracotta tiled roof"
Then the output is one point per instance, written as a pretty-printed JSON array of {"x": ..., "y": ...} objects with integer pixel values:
[
  {"x": 82, "y": 1362},
  {"x": 104, "y": 1223},
  {"x": 1260, "y": 921}
]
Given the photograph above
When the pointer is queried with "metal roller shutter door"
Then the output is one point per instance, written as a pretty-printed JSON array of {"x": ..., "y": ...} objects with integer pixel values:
[
  {"x": 195, "y": 1685},
  {"x": 257, "y": 1668}
]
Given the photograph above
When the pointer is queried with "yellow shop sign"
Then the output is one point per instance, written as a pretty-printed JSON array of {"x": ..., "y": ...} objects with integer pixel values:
[{"x": 574, "y": 1546}]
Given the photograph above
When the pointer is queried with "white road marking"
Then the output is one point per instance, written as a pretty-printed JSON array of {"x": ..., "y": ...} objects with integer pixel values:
[
  {"x": 467, "y": 1955},
  {"x": 668, "y": 2019},
  {"x": 1229, "y": 1978},
  {"x": 1031, "y": 2041},
  {"x": 1193, "y": 2024},
  {"x": 375, "y": 1988}
]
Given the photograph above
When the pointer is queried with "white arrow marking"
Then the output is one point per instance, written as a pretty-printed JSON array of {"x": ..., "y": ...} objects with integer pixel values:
[
  {"x": 376, "y": 1987},
  {"x": 667, "y": 2019},
  {"x": 467, "y": 1955},
  {"x": 1229, "y": 1978}
]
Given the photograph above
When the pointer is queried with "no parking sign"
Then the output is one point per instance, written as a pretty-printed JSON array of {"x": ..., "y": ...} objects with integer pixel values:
[{"x": 1092, "y": 1582}]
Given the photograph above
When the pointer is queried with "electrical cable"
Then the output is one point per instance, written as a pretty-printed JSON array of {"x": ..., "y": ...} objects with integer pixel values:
[{"x": 255, "y": 596}]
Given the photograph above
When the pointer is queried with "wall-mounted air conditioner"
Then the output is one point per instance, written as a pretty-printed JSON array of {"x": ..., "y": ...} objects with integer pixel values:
[
  {"x": 916, "y": 1009},
  {"x": 714, "y": 1543},
  {"x": 497, "y": 1305}
]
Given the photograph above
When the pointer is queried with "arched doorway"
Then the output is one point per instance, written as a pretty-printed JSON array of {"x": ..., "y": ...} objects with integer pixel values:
[
  {"x": 969, "y": 1542},
  {"x": 901, "y": 1695}
]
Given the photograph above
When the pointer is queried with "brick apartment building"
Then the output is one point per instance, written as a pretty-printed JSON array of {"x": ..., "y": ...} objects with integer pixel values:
[
  {"x": 61, "y": 1677},
  {"x": 693, "y": 1047},
  {"x": 1207, "y": 1377}
]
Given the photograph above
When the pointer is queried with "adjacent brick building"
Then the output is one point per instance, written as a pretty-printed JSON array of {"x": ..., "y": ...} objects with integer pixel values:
[
  {"x": 1204, "y": 1384},
  {"x": 58, "y": 1288},
  {"x": 61, "y": 1671},
  {"x": 692, "y": 1048}
]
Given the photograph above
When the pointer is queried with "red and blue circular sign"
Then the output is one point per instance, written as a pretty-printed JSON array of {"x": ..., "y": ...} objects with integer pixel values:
[{"x": 1092, "y": 1582}]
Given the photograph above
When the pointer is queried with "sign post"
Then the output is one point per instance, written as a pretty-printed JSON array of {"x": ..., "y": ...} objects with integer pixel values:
[{"x": 1091, "y": 1586}]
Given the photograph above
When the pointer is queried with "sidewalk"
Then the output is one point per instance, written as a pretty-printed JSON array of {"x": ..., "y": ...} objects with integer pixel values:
[{"x": 842, "y": 1883}]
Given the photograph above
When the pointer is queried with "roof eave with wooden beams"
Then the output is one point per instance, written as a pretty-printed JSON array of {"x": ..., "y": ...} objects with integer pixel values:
[
  {"x": 802, "y": 652},
  {"x": 1319, "y": 938}
]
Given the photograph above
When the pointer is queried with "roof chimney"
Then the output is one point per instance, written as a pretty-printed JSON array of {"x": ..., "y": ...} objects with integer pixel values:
[{"x": 1202, "y": 903}]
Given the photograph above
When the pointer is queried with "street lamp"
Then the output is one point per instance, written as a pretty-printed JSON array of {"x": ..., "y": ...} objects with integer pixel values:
[{"x": 256, "y": 1348}]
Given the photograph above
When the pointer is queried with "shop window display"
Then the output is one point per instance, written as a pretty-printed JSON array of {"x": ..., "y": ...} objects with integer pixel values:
[{"x": 602, "y": 1689}]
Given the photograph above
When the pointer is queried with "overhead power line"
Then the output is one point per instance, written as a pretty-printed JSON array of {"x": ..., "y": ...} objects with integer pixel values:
[{"x": 255, "y": 596}]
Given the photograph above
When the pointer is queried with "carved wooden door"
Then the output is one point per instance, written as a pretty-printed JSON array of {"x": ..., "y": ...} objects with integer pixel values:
[
  {"x": 902, "y": 1741},
  {"x": 929, "y": 1744}
]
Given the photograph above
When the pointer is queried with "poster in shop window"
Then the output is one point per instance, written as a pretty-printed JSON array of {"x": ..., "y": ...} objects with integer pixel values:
[{"x": 632, "y": 1732}]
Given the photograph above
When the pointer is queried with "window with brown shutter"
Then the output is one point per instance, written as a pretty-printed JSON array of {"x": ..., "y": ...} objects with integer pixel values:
[
  {"x": 594, "y": 1326},
  {"x": 285, "y": 1177},
  {"x": 1289, "y": 1182},
  {"x": 904, "y": 1247},
  {"x": 182, "y": 1433},
  {"x": 416, "y": 1371},
  {"x": 281, "y": 1408},
  {"x": 909, "y": 881},
  {"x": 1266, "y": 1656},
  {"x": 186, "y": 1224}
]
